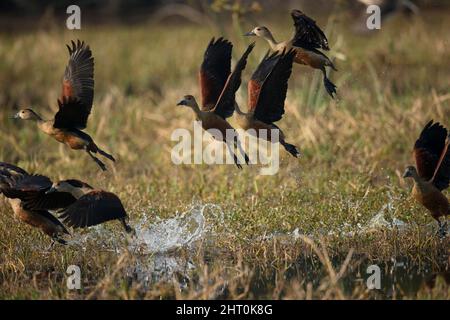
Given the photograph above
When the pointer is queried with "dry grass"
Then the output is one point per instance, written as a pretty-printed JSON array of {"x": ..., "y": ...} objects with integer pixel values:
[{"x": 354, "y": 150}]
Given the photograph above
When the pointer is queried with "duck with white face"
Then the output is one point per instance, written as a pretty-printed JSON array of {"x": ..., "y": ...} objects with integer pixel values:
[
  {"x": 75, "y": 105},
  {"x": 431, "y": 174},
  {"x": 218, "y": 96},
  {"x": 307, "y": 41}
]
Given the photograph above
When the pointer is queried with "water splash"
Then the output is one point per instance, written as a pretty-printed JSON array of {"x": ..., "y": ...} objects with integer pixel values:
[
  {"x": 184, "y": 230},
  {"x": 156, "y": 243}
]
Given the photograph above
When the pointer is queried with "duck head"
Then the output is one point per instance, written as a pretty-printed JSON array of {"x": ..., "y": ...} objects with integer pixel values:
[
  {"x": 27, "y": 114},
  {"x": 188, "y": 101}
]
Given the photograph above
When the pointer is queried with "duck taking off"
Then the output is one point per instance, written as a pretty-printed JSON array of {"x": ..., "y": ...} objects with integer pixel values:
[
  {"x": 267, "y": 90},
  {"x": 432, "y": 172},
  {"x": 91, "y": 206},
  {"x": 74, "y": 105},
  {"x": 307, "y": 40},
  {"x": 17, "y": 185},
  {"x": 79, "y": 205},
  {"x": 218, "y": 93}
]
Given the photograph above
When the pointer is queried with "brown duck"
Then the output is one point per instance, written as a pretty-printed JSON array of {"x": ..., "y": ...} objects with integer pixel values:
[
  {"x": 74, "y": 105},
  {"x": 91, "y": 206},
  {"x": 432, "y": 172},
  {"x": 16, "y": 185},
  {"x": 218, "y": 93},
  {"x": 79, "y": 205},
  {"x": 267, "y": 90},
  {"x": 306, "y": 42}
]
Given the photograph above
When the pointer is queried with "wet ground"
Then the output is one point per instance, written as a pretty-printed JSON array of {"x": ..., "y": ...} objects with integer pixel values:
[{"x": 168, "y": 249}]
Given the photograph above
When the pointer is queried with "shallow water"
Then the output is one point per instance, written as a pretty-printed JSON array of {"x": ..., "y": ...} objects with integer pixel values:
[{"x": 156, "y": 248}]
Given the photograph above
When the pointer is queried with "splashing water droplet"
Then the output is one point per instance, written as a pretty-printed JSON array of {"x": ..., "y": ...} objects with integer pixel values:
[{"x": 181, "y": 231}]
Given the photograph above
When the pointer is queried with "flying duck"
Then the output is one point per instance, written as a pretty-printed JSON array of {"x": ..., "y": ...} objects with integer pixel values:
[
  {"x": 267, "y": 90},
  {"x": 74, "y": 105},
  {"x": 218, "y": 93},
  {"x": 306, "y": 42}
]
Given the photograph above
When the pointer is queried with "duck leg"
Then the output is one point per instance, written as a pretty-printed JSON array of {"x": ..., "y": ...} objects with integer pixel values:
[
  {"x": 106, "y": 155},
  {"x": 290, "y": 148},
  {"x": 97, "y": 160},
  {"x": 237, "y": 145},
  {"x": 329, "y": 86},
  {"x": 442, "y": 231},
  {"x": 236, "y": 160},
  {"x": 127, "y": 227}
]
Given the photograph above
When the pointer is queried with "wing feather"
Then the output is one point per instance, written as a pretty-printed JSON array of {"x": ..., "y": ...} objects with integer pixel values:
[
  {"x": 77, "y": 88},
  {"x": 214, "y": 71},
  {"x": 226, "y": 101},
  {"x": 307, "y": 34},
  {"x": 268, "y": 86},
  {"x": 429, "y": 149},
  {"x": 92, "y": 209}
]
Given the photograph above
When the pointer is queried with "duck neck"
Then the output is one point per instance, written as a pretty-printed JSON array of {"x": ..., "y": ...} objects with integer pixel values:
[
  {"x": 238, "y": 110},
  {"x": 79, "y": 192},
  {"x": 197, "y": 110},
  {"x": 416, "y": 178},
  {"x": 271, "y": 40},
  {"x": 37, "y": 118}
]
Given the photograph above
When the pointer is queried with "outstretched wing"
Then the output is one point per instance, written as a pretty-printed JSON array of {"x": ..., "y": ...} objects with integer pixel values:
[
  {"x": 78, "y": 85},
  {"x": 226, "y": 101},
  {"x": 429, "y": 148},
  {"x": 93, "y": 208},
  {"x": 32, "y": 191},
  {"x": 214, "y": 71},
  {"x": 307, "y": 34},
  {"x": 71, "y": 114},
  {"x": 12, "y": 169},
  {"x": 268, "y": 87},
  {"x": 441, "y": 177}
]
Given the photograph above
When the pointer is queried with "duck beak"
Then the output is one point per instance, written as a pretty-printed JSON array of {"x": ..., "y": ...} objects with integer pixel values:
[
  {"x": 406, "y": 174},
  {"x": 182, "y": 103},
  {"x": 51, "y": 190},
  {"x": 16, "y": 116},
  {"x": 250, "y": 34}
]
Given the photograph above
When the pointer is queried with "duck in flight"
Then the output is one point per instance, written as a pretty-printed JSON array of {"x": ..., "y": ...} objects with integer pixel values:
[
  {"x": 74, "y": 105},
  {"x": 218, "y": 94},
  {"x": 267, "y": 90},
  {"x": 308, "y": 39}
]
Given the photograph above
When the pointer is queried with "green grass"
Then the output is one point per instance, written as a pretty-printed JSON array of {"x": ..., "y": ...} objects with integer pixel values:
[{"x": 354, "y": 151}]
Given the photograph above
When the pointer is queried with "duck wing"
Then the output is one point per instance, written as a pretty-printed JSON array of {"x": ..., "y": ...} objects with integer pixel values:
[
  {"x": 268, "y": 86},
  {"x": 75, "y": 103},
  {"x": 214, "y": 71},
  {"x": 92, "y": 209}
]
